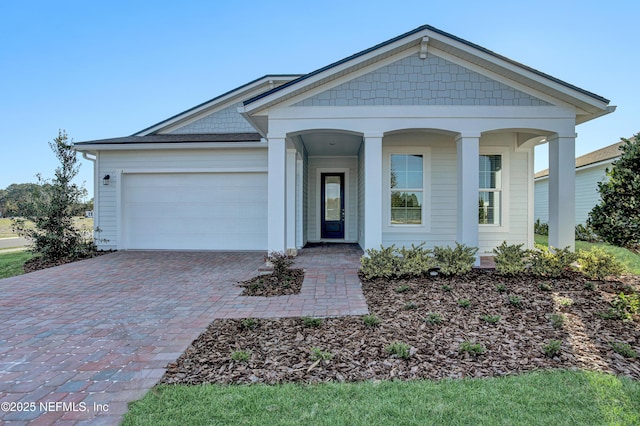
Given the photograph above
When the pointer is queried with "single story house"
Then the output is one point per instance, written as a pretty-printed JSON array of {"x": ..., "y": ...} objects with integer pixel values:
[
  {"x": 422, "y": 138},
  {"x": 591, "y": 168}
]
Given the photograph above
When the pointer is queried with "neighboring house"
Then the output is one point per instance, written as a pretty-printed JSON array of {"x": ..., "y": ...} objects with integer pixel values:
[
  {"x": 590, "y": 169},
  {"x": 393, "y": 145}
]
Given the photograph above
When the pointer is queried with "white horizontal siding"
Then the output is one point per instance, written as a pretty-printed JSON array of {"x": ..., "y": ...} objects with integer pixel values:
[
  {"x": 587, "y": 195},
  {"x": 110, "y": 162}
]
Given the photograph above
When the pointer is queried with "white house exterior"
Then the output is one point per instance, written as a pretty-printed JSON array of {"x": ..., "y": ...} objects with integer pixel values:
[
  {"x": 396, "y": 144},
  {"x": 591, "y": 168}
]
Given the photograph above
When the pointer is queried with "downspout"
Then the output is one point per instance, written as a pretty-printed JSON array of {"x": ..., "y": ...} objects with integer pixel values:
[{"x": 96, "y": 216}]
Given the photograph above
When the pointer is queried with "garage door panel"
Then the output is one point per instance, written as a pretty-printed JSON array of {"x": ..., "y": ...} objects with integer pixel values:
[{"x": 222, "y": 211}]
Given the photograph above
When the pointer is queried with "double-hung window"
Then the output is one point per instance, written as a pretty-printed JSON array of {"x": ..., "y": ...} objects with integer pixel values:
[
  {"x": 407, "y": 189},
  {"x": 490, "y": 199}
]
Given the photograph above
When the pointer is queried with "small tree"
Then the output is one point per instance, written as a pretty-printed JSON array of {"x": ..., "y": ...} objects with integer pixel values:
[
  {"x": 617, "y": 218},
  {"x": 48, "y": 213}
]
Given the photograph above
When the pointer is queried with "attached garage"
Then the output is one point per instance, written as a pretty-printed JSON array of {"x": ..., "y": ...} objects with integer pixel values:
[{"x": 194, "y": 211}]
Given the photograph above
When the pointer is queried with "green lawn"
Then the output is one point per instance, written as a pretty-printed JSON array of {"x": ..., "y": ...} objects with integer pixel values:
[
  {"x": 5, "y": 225},
  {"x": 632, "y": 260},
  {"x": 11, "y": 263},
  {"x": 549, "y": 397}
]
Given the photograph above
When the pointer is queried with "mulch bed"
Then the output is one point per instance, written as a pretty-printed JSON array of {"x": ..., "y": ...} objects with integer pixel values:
[
  {"x": 268, "y": 285},
  {"x": 37, "y": 263},
  {"x": 281, "y": 350}
]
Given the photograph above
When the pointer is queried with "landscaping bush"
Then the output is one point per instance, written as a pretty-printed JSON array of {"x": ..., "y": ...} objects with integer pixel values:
[
  {"x": 540, "y": 228},
  {"x": 281, "y": 263},
  {"x": 616, "y": 218},
  {"x": 626, "y": 306},
  {"x": 415, "y": 261},
  {"x": 391, "y": 262},
  {"x": 455, "y": 261},
  {"x": 597, "y": 263},
  {"x": 556, "y": 263},
  {"x": 383, "y": 263},
  {"x": 586, "y": 233},
  {"x": 510, "y": 259}
]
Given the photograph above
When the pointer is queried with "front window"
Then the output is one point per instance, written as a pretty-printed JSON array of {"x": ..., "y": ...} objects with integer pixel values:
[
  {"x": 407, "y": 189},
  {"x": 490, "y": 199}
]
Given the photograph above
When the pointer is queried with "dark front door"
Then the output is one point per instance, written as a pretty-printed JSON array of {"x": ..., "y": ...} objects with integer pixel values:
[{"x": 332, "y": 205}]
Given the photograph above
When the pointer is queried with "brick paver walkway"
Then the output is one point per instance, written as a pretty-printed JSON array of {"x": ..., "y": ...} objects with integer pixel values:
[{"x": 80, "y": 341}]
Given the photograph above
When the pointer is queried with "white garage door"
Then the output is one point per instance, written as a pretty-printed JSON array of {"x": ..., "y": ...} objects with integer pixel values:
[{"x": 195, "y": 211}]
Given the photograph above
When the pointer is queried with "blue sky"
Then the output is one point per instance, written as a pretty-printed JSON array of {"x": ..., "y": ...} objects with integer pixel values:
[{"x": 103, "y": 69}]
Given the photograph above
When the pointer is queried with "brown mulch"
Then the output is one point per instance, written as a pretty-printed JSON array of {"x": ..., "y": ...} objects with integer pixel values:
[
  {"x": 268, "y": 285},
  {"x": 281, "y": 349},
  {"x": 37, "y": 263}
]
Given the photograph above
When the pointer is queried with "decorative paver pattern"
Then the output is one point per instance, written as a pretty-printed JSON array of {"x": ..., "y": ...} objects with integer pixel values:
[{"x": 80, "y": 341}]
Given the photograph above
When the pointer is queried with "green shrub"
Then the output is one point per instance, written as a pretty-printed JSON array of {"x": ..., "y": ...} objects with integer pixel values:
[
  {"x": 552, "y": 348},
  {"x": 624, "y": 349},
  {"x": 464, "y": 303},
  {"x": 625, "y": 306},
  {"x": 446, "y": 288},
  {"x": 410, "y": 306},
  {"x": 281, "y": 262},
  {"x": 371, "y": 320},
  {"x": 545, "y": 262},
  {"x": 474, "y": 349},
  {"x": 312, "y": 322},
  {"x": 557, "y": 320},
  {"x": 399, "y": 349},
  {"x": 491, "y": 319},
  {"x": 585, "y": 233},
  {"x": 241, "y": 356},
  {"x": 249, "y": 323},
  {"x": 320, "y": 355},
  {"x": 597, "y": 263},
  {"x": 515, "y": 301},
  {"x": 546, "y": 286},
  {"x": 455, "y": 261},
  {"x": 540, "y": 228},
  {"x": 383, "y": 263},
  {"x": 433, "y": 318},
  {"x": 501, "y": 288},
  {"x": 415, "y": 261},
  {"x": 402, "y": 289},
  {"x": 510, "y": 259}
]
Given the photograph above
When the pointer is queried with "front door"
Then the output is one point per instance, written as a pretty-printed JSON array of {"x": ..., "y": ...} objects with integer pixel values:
[{"x": 332, "y": 205}]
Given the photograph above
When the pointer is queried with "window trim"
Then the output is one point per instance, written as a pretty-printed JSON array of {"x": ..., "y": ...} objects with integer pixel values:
[
  {"x": 425, "y": 226},
  {"x": 504, "y": 152}
]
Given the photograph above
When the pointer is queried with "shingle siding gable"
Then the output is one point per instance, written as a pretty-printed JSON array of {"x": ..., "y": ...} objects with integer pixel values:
[{"x": 415, "y": 81}]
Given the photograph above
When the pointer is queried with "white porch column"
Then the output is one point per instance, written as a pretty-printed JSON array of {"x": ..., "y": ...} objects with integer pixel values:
[
  {"x": 562, "y": 191},
  {"x": 291, "y": 201},
  {"x": 276, "y": 185},
  {"x": 372, "y": 191},
  {"x": 468, "y": 155}
]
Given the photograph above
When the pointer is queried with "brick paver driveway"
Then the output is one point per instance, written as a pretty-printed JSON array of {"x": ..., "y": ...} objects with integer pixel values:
[{"x": 80, "y": 341}]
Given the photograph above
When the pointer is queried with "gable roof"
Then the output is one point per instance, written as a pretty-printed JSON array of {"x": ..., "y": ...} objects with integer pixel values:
[
  {"x": 408, "y": 34},
  {"x": 610, "y": 152},
  {"x": 230, "y": 95},
  {"x": 427, "y": 39}
]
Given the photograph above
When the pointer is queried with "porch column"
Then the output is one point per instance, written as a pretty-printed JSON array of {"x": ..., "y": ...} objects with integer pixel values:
[
  {"x": 468, "y": 155},
  {"x": 372, "y": 191},
  {"x": 276, "y": 185},
  {"x": 291, "y": 201},
  {"x": 562, "y": 191}
]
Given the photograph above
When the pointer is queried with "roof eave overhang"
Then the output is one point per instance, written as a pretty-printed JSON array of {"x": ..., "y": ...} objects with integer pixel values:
[{"x": 92, "y": 148}]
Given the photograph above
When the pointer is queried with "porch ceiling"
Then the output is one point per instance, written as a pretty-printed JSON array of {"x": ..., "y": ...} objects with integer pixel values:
[{"x": 331, "y": 143}]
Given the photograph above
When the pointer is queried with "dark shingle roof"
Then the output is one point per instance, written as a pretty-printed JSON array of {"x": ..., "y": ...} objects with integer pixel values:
[{"x": 178, "y": 138}]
